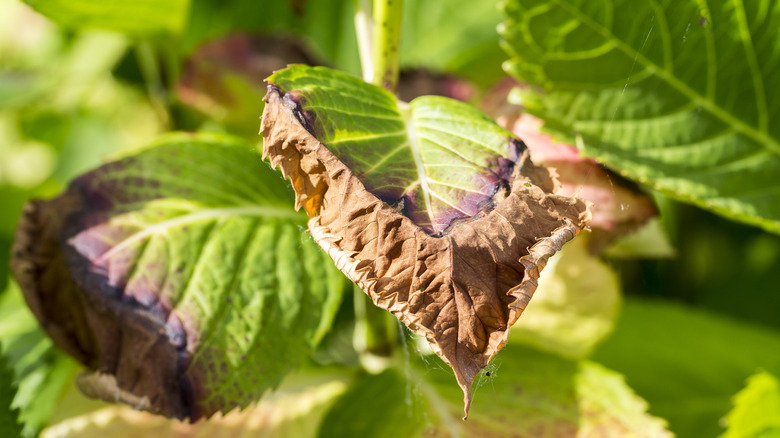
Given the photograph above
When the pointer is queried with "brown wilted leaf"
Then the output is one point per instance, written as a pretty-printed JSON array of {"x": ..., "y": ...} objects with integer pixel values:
[
  {"x": 109, "y": 335},
  {"x": 461, "y": 288}
]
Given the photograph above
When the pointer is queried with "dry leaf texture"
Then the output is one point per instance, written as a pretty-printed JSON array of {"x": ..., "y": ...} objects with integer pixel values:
[{"x": 462, "y": 288}]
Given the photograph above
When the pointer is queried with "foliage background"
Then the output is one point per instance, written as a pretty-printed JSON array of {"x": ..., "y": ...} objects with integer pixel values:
[{"x": 693, "y": 327}]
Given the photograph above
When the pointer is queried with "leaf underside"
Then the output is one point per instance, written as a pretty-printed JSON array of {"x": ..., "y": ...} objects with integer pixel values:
[
  {"x": 359, "y": 162},
  {"x": 178, "y": 274},
  {"x": 675, "y": 94}
]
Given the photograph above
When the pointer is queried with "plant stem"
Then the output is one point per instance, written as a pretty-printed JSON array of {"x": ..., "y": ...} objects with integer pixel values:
[
  {"x": 376, "y": 333},
  {"x": 387, "y": 36},
  {"x": 155, "y": 88},
  {"x": 364, "y": 24}
]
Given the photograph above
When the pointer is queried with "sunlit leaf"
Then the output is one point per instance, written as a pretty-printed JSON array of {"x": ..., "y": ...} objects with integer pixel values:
[
  {"x": 756, "y": 412},
  {"x": 575, "y": 305},
  {"x": 437, "y": 157},
  {"x": 677, "y": 95},
  {"x": 524, "y": 393},
  {"x": 134, "y": 17},
  {"x": 437, "y": 213},
  {"x": 183, "y": 264}
]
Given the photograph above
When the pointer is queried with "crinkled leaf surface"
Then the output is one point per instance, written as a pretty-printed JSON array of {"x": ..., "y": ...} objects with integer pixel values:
[
  {"x": 619, "y": 207},
  {"x": 675, "y": 94},
  {"x": 756, "y": 412},
  {"x": 179, "y": 272},
  {"x": 525, "y": 393},
  {"x": 702, "y": 358},
  {"x": 431, "y": 208},
  {"x": 134, "y": 17}
]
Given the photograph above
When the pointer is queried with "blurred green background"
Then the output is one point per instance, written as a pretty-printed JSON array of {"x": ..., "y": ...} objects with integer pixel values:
[{"x": 694, "y": 325}]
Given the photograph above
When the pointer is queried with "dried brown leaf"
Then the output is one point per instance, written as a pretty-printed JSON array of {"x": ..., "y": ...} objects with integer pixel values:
[{"x": 462, "y": 289}]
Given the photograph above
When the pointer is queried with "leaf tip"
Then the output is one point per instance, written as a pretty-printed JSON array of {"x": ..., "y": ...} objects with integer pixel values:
[{"x": 465, "y": 384}]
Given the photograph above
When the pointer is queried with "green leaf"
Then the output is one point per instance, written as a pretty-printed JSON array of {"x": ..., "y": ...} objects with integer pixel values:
[
  {"x": 673, "y": 94},
  {"x": 9, "y": 418},
  {"x": 649, "y": 241},
  {"x": 575, "y": 305},
  {"x": 687, "y": 363},
  {"x": 133, "y": 17},
  {"x": 380, "y": 405},
  {"x": 42, "y": 372},
  {"x": 756, "y": 410},
  {"x": 190, "y": 250},
  {"x": 209, "y": 19},
  {"x": 329, "y": 28},
  {"x": 456, "y": 36},
  {"x": 528, "y": 394},
  {"x": 437, "y": 159},
  {"x": 294, "y": 410}
]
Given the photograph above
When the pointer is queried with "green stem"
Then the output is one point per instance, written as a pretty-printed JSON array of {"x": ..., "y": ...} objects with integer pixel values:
[
  {"x": 376, "y": 333},
  {"x": 387, "y": 36},
  {"x": 150, "y": 70},
  {"x": 363, "y": 27}
]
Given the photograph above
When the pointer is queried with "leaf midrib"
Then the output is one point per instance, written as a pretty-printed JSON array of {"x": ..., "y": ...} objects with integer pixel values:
[
  {"x": 414, "y": 147},
  {"x": 213, "y": 213},
  {"x": 762, "y": 137}
]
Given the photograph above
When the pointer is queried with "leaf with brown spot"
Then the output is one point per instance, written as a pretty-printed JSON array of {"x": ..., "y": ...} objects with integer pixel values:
[
  {"x": 179, "y": 275},
  {"x": 620, "y": 207},
  {"x": 437, "y": 213}
]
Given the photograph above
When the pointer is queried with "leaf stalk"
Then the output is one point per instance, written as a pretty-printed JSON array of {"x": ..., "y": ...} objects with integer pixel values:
[
  {"x": 387, "y": 37},
  {"x": 376, "y": 333},
  {"x": 364, "y": 23}
]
